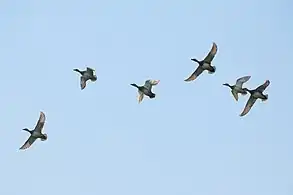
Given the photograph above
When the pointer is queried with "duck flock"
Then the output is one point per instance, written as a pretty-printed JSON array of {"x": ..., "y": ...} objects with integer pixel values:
[{"x": 146, "y": 90}]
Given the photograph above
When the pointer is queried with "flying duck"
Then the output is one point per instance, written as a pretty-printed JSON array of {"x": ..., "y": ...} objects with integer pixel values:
[
  {"x": 86, "y": 75},
  {"x": 204, "y": 64},
  {"x": 36, "y": 133},
  {"x": 255, "y": 94},
  {"x": 237, "y": 88},
  {"x": 146, "y": 89}
]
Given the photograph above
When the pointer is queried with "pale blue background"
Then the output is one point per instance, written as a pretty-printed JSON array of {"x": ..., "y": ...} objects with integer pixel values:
[{"x": 189, "y": 140}]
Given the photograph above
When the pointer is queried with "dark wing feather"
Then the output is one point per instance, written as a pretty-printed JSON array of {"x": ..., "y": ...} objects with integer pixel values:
[
  {"x": 209, "y": 58},
  {"x": 90, "y": 71},
  {"x": 82, "y": 82},
  {"x": 41, "y": 122},
  {"x": 148, "y": 85},
  {"x": 195, "y": 74},
  {"x": 262, "y": 87},
  {"x": 235, "y": 94},
  {"x": 248, "y": 105},
  {"x": 28, "y": 143}
]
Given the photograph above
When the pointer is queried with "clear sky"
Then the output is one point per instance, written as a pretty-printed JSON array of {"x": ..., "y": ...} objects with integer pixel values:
[{"x": 189, "y": 140}]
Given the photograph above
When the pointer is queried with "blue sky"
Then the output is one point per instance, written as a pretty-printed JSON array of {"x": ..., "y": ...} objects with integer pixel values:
[{"x": 188, "y": 140}]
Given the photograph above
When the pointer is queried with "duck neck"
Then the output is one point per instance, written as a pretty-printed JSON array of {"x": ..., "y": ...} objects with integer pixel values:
[
  {"x": 250, "y": 91},
  {"x": 135, "y": 85},
  {"x": 77, "y": 70},
  {"x": 195, "y": 60},
  {"x": 228, "y": 85},
  {"x": 30, "y": 131}
]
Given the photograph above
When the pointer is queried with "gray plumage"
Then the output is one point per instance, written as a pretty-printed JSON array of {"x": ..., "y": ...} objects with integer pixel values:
[
  {"x": 205, "y": 64},
  {"x": 146, "y": 89},
  {"x": 254, "y": 95},
  {"x": 237, "y": 88},
  {"x": 36, "y": 133},
  {"x": 86, "y": 75}
]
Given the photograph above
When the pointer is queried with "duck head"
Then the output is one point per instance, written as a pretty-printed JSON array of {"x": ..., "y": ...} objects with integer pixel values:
[
  {"x": 45, "y": 136},
  {"x": 26, "y": 129},
  {"x": 195, "y": 60},
  {"x": 77, "y": 70},
  {"x": 135, "y": 85}
]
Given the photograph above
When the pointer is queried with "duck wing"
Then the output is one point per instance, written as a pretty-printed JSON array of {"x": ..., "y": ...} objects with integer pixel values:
[
  {"x": 82, "y": 82},
  {"x": 140, "y": 96},
  {"x": 195, "y": 74},
  {"x": 235, "y": 94},
  {"x": 248, "y": 105},
  {"x": 154, "y": 82},
  {"x": 90, "y": 71},
  {"x": 28, "y": 143},
  {"x": 240, "y": 81},
  {"x": 262, "y": 87},
  {"x": 148, "y": 84},
  {"x": 209, "y": 58},
  {"x": 41, "y": 122}
]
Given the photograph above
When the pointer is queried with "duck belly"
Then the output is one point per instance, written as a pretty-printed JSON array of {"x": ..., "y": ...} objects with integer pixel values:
[
  {"x": 206, "y": 66},
  {"x": 149, "y": 93},
  {"x": 36, "y": 134},
  {"x": 258, "y": 95},
  {"x": 240, "y": 90}
]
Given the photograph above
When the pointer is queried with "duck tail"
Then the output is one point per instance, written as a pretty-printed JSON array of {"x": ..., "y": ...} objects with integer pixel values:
[
  {"x": 45, "y": 138},
  {"x": 267, "y": 97},
  {"x": 152, "y": 96},
  {"x": 94, "y": 78},
  {"x": 213, "y": 70},
  {"x": 243, "y": 93}
]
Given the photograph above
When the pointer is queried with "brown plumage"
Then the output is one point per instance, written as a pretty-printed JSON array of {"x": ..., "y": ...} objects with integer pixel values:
[
  {"x": 36, "y": 133},
  {"x": 204, "y": 64},
  {"x": 255, "y": 94}
]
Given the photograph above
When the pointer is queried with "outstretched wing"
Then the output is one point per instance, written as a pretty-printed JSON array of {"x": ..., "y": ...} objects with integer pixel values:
[
  {"x": 41, "y": 122},
  {"x": 140, "y": 96},
  {"x": 82, "y": 82},
  {"x": 248, "y": 105},
  {"x": 242, "y": 80},
  {"x": 90, "y": 70},
  {"x": 262, "y": 87},
  {"x": 209, "y": 58},
  {"x": 28, "y": 143},
  {"x": 195, "y": 74},
  {"x": 154, "y": 82},
  {"x": 148, "y": 84},
  {"x": 235, "y": 94}
]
